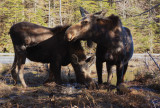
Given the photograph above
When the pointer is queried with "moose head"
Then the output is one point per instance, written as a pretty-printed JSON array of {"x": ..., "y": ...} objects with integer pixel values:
[
  {"x": 83, "y": 70},
  {"x": 93, "y": 26}
]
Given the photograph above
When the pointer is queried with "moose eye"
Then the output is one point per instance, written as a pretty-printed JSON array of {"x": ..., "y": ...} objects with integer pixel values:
[{"x": 84, "y": 22}]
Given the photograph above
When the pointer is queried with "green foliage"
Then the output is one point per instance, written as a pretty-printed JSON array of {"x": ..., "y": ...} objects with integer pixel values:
[{"x": 145, "y": 28}]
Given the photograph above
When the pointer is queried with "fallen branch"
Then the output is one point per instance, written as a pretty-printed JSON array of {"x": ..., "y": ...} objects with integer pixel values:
[{"x": 153, "y": 60}]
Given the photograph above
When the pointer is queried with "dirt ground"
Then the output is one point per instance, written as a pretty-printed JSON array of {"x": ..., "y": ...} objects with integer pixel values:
[{"x": 141, "y": 89}]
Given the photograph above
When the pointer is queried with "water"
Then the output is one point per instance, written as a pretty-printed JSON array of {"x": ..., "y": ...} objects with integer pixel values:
[
  {"x": 156, "y": 102},
  {"x": 142, "y": 88},
  {"x": 8, "y": 59},
  {"x": 3, "y": 100}
]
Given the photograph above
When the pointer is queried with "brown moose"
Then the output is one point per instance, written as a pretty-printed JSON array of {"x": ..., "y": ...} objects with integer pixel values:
[{"x": 47, "y": 45}]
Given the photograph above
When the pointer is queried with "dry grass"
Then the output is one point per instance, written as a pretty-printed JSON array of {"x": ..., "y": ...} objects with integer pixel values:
[
  {"x": 58, "y": 96},
  {"x": 5, "y": 90},
  {"x": 150, "y": 79}
]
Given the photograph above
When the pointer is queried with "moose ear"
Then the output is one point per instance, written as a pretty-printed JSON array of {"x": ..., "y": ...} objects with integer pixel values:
[
  {"x": 83, "y": 12},
  {"x": 89, "y": 43},
  {"x": 74, "y": 59},
  {"x": 101, "y": 13},
  {"x": 98, "y": 13},
  {"x": 104, "y": 12},
  {"x": 90, "y": 59}
]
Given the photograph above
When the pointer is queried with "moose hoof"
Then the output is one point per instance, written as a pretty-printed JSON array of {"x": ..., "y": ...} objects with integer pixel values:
[
  {"x": 25, "y": 86},
  {"x": 101, "y": 86},
  {"x": 107, "y": 84},
  {"x": 50, "y": 84},
  {"x": 48, "y": 81},
  {"x": 15, "y": 82},
  {"x": 92, "y": 85},
  {"x": 121, "y": 89}
]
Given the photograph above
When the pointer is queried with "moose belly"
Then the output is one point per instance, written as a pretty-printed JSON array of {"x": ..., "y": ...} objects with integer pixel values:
[
  {"x": 110, "y": 58},
  {"x": 65, "y": 61},
  {"x": 38, "y": 54},
  {"x": 113, "y": 58}
]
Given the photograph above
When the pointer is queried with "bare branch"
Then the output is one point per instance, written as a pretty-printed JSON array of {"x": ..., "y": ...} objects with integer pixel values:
[
  {"x": 153, "y": 60},
  {"x": 147, "y": 10},
  {"x": 105, "y": 1}
]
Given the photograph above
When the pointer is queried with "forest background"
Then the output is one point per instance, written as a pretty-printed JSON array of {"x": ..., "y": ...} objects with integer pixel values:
[{"x": 145, "y": 27}]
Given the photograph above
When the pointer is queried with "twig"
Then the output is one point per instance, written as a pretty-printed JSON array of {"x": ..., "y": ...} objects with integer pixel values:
[
  {"x": 105, "y": 1},
  {"x": 146, "y": 64},
  {"x": 153, "y": 60}
]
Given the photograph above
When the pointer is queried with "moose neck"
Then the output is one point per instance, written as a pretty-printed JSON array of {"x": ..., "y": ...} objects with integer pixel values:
[{"x": 108, "y": 37}]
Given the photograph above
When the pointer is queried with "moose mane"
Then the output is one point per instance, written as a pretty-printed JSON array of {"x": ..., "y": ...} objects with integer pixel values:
[
  {"x": 115, "y": 21},
  {"x": 60, "y": 28}
]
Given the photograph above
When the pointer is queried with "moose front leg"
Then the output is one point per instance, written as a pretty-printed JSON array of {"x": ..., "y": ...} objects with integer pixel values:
[
  {"x": 99, "y": 66},
  {"x": 56, "y": 70},
  {"x": 14, "y": 69},
  {"x": 21, "y": 62}
]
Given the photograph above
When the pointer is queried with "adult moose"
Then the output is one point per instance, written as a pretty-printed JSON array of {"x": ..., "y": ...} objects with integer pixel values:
[
  {"x": 47, "y": 45},
  {"x": 114, "y": 42}
]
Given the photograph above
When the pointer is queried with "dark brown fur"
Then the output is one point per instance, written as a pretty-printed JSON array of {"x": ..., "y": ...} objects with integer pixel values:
[
  {"x": 46, "y": 45},
  {"x": 114, "y": 42}
]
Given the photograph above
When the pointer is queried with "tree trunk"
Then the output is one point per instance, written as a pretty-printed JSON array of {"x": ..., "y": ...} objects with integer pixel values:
[
  {"x": 150, "y": 34},
  {"x": 60, "y": 12},
  {"x": 23, "y": 11},
  {"x": 49, "y": 15},
  {"x": 124, "y": 9},
  {"x": 35, "y": 8}
]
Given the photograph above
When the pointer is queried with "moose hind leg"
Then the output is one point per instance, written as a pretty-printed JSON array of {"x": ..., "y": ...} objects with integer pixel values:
[
  {"x": 50, "y": 78},
  {"x": 21, "y": 62},
  {"x": 120, "y": 73},
  {"x": 13, "y": 70}
]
